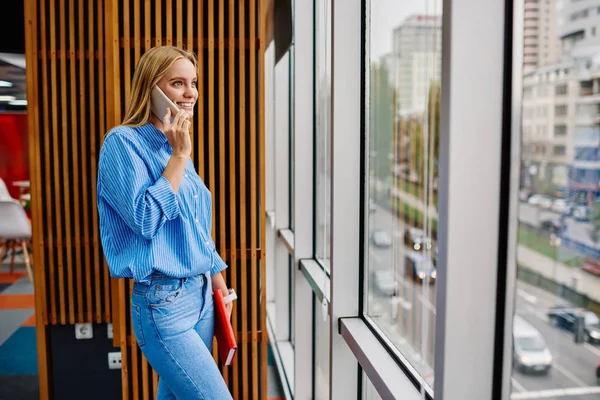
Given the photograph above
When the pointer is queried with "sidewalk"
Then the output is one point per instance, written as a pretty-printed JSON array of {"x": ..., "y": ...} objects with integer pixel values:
[{"x": 572, "y": 277}]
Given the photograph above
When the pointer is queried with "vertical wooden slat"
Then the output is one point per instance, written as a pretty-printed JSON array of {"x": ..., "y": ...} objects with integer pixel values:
[
  {"x": 221, "y": 185},
  {"x": 127, "y": 48},
  {"x": 75, "y": 133},
  {"x": 65, "y": 163},
  {"x": 200, "y": 144},
  {"x": 113, "y": 117},
  {"x": 145, "y": 379},
  {"x": 262, "y": 196},
  {"x": 179, "y": 23},
  {"x": 32, "y": 77},
  {"x": 137, "y": 37},
  {"x": 211, "y": 104},
  {"x": 132, "y": 347},
  {"x": 91, "y": 261},
  {"x": 158, "y": 23},
  {"x": 147, "y": 26},
  {"x": 169, "y": 17},
  {"x": 154, "y": 382},
  {"x": 253, "y": 228},
  {"x": 49, "y": 233},
  {"x": 57, "y": 205},
  {"x": 190, "y": 26},
  {"x": 242, "y": 188},
  {"x": 98, "y": 263},
  {"x": 232, "y": 182}
]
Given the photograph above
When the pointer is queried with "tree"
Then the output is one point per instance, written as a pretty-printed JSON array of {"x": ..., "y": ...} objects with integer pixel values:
[{"x": 381, "y": 121}]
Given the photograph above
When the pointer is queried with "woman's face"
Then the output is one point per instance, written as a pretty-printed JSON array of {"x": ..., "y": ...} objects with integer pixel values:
[{"x": 180, "y": 85}]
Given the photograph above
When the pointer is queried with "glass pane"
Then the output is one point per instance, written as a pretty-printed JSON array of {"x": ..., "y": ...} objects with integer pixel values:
[
  {"x": 403, "y": 103},
  {"x": 292, "y": 135},
  {"x": 556, "y": 331},
  {"x": 323, "y": 120},
  {"x": 369, "y": 391},
  {"x": 321, "y": 371}
]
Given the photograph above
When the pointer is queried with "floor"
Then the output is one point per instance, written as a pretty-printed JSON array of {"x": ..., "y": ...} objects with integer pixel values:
[{"x": 18, "y": 353}]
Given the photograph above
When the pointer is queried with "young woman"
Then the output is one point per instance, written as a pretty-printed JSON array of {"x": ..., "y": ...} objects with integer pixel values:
[{"x": 155, "y": 223}]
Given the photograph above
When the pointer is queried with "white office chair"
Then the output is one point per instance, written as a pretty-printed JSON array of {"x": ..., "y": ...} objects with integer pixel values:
[
  {"x": 4, "y": 194},
  {"x": 15, "y": 230}
]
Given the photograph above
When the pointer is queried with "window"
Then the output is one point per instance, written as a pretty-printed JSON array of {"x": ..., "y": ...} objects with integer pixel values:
[
  {"x": 560, "y": 130},
  {"x": 323, "y": 125},
  {"x": 560, "y": 90},
  {"x": 559, "y": 150},
  {"x": 558, "y": 241},
  {"x": 587, "y": 154},
  {"x": 402, "y": 164},
  {"x": 560, "y": 110}
]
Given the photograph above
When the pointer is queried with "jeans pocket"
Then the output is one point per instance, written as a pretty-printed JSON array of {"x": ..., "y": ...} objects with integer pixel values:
[
  {"x": 136, "y": 319},
  {"x": 164, "y": 293}
]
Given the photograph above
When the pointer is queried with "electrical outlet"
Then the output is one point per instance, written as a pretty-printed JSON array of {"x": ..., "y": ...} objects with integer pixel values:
[
  {"x": 84, "y": 331},
  {"x": 114, "y": 360},
  {"x": 109, "y": 331}
]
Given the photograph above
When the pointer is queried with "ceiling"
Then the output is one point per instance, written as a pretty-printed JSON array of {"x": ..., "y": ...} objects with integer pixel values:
[
  {"x": 12, "y": 70},
  {"x": 12, "y": 55}
]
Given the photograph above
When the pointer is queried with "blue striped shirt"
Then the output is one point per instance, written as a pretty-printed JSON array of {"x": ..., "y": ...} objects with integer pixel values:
[{"x": 144, "y": 225}]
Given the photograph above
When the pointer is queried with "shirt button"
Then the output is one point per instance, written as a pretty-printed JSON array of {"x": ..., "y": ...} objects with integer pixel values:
[
  {"x": 185, "y": 175},
  {"x": 196, "y": 220},
  {"x": 195, "y": 196}
]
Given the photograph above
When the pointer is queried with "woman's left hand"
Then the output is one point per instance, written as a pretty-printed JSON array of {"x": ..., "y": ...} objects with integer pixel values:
[{"x": 229, "y": 309}]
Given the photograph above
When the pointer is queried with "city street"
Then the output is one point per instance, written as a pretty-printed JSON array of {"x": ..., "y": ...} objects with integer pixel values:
[{"x": 572, "y": 375}]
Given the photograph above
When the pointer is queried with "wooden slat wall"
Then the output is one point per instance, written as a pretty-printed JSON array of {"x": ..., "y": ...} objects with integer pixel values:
[{"x": 80, "y": 56}]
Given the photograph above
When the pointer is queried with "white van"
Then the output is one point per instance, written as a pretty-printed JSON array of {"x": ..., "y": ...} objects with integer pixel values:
[{"x": 530, "y": 352}]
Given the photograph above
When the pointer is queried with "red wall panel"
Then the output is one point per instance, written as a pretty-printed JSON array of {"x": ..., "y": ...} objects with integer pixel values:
[{"x": 14, "y": 150}]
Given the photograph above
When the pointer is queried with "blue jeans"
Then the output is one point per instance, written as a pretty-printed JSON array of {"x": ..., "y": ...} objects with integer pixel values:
[{"x": 173, "y": 322}]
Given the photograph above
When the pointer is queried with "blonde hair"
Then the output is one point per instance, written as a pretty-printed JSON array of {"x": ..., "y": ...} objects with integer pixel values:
[{"x": 153, "y": 65}]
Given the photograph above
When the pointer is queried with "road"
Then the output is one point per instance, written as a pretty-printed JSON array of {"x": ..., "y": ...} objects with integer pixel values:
[
  {"x": 573, "y": 366},
  {"x": 410, "y": 317},
  {"x": 401, "y": 318}
]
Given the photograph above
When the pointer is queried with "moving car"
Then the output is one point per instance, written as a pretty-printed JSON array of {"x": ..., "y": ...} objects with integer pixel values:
[
  {"x": 385, "y": 282},
  {"x": 564, "y": 317},
  {"x": 416, "y": 239},
  {"x": 530, "y": 351},
  {"x": 420, "y": 267}
]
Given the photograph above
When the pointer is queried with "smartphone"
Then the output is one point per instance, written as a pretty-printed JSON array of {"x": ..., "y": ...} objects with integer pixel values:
[{"x": 159, "y": 103}]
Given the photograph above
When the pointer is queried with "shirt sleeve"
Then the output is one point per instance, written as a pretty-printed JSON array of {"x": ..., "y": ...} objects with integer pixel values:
[
  {"x": 125, "y": 183},
  {"x": 218, "y": 263}
]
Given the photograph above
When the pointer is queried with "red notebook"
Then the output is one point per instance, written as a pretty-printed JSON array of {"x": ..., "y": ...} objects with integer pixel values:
[{"x": 223, "y": 330}]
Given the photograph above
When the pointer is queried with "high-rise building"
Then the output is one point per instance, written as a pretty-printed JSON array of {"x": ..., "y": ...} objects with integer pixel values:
[
  {"x": 541, "y": 43},
  {"x": 416, "y": 59},
  {"x": 581, "y": 42}
]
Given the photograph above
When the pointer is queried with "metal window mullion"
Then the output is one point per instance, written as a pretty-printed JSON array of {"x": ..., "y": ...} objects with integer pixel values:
[
  {"x": 470, "y": 198},
  {"x": 282, "y": 160},
  {"x": 346, "y": 81},
  {"x": 303, "y": 211}
]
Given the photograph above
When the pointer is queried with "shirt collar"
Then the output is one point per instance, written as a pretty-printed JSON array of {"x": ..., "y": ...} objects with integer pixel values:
[{"x": 153, "y": 135}]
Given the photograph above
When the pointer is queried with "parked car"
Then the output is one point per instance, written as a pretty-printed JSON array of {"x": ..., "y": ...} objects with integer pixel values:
[
  {"x": 581, "y": 213},
  {"x": 598, "y": 374},
  {"x": 416, "y": 239},
  {"x": 420, "y": 267},
  {"x": 540, "y": 201},
  {"x": 560, "y": 206},
  {"x": 530, "y": 351},
  {"x": 564, "y": 317},
  {"x": 385, "y": 282},
  {"x": 381, "y": 238}
]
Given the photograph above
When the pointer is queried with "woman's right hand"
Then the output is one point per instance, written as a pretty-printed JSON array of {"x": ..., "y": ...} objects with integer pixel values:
[{"x": 178, "y": 133}]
